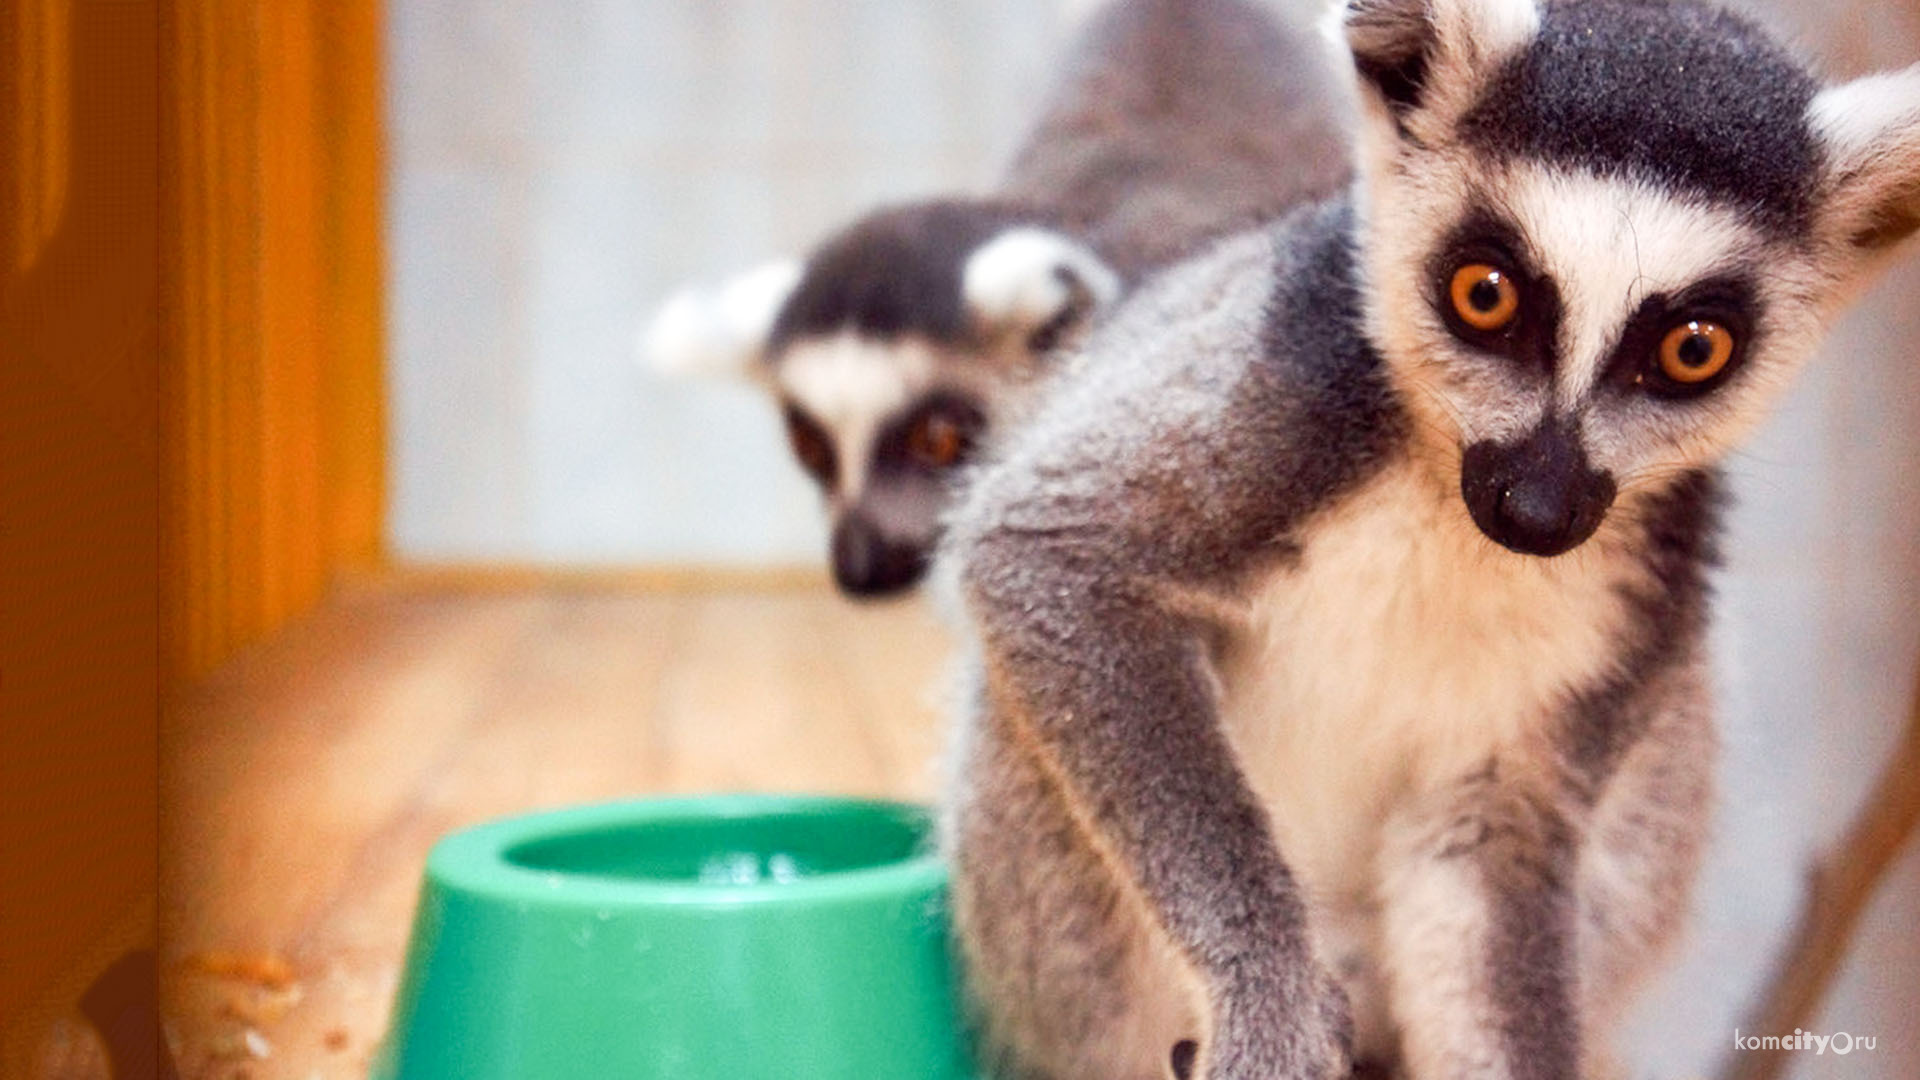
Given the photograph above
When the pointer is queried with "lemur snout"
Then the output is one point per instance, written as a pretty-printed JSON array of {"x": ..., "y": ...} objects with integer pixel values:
[
  {"x": 1539, "y": 496},
  {"x": 867, "y": 562}
]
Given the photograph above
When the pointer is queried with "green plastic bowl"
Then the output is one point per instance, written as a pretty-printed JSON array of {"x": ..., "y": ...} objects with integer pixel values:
[{"x": 727, "y": 937}]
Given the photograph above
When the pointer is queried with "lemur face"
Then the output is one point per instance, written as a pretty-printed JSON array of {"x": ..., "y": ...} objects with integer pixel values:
[
  {"x": 883, "y": 427},
  {"x": 1600, "y": 235},
  {"x": 894, "y": 353}
]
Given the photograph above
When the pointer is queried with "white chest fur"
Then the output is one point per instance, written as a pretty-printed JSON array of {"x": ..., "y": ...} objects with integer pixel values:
[{"x": 1401, "y": 651}]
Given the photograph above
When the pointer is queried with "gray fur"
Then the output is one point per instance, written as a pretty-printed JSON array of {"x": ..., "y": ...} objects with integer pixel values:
[
  {"x": 1195, "y": 461},
  {"x": 1067, "y": 547},
  {"x": 1102, "y": 563},
  {"x": 1179, "y": 121},
  {"x": 1277, "y": 429}
]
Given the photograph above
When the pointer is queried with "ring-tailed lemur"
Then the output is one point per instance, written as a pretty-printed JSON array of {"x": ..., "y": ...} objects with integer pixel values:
[
  {"x": 907, "y": 336},
  {"x": 1341, "y": 682}
]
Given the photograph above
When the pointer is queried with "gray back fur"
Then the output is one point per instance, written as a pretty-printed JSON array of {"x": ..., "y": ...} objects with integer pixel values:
[{"x": 1178, "y": 121}]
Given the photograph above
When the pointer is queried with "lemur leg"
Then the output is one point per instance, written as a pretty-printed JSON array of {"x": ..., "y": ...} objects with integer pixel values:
[
  {"x": 1479, "y": 929},
  {"x": 1638, "y": 865},
  {"x": 1522, "y": 910},
  {"x": 1071, "y": 978}
]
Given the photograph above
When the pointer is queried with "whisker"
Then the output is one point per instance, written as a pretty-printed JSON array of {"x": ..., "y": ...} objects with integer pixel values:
[
  {"x": 1446, "y": 407},
  {"x": 1651, "y": 475}
]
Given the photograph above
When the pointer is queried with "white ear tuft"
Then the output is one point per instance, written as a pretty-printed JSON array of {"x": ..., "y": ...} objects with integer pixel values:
[
  {"x": 1406, "y": 49},
  {"x": 1382, "y": 30},
  {"x": 1870, "y": 128},
  {"x": 1032, "y": 280},
  {"x": 719, "y": 331},
  {"x": 1485, "y": 32}
]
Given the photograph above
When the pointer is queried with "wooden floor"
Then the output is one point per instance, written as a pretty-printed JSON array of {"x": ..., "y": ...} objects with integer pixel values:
[{"x": 303, "y": 786}]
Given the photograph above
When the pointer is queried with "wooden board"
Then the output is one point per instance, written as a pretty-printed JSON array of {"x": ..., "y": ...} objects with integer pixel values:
[{"x": 303, "y": 787}]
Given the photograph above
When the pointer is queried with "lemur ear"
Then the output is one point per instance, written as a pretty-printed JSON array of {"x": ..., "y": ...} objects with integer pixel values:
[
  {"x": 1409, "y": 53},
  {"x": 1870, "y": 130},
  {"x": 1035, "y": 283},
  {"x": 719, "y": 331}
]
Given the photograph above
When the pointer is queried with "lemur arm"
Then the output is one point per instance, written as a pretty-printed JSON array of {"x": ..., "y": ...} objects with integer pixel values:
[
  {"x": 1106, "y": 686},
  {"x": 1096, "y": 560}
]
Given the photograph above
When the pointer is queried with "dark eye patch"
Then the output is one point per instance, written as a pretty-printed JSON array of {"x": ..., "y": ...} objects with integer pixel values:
[
  {"x": 1531, "y": 337},
  {"x": 812, "y": 445},
  {"x": 1728, "y": 301},
  {"x": 897, "y": 446}
]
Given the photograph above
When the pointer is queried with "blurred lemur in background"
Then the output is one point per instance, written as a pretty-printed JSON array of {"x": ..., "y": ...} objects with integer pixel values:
[
  {"x": 1341, "y": 698},
  {"x": 900, "y": 346}
]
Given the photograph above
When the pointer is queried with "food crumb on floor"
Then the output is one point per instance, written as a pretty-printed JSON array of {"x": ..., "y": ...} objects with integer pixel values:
[
  {"x": 256, "y": 1044},
  {"x": 263, "y": 969},
  {"x": 261, "y": 1006}
]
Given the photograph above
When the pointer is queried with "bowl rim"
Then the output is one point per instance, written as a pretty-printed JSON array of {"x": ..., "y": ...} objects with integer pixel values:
[{"x": 474, "y": 862}]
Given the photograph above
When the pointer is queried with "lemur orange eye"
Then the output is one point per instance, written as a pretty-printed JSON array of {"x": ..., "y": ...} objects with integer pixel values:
[
  {"x": 936, "y": 441},
  {"x": 1695, "y": 351},
  {"x": 1484, "y": 296}
]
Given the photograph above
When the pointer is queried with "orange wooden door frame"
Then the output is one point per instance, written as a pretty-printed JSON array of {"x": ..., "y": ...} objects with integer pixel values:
[
  {"x": 274, "y": 386},
  {"x": 79, "y": 432},
  {"x": 191, "y": 412}
]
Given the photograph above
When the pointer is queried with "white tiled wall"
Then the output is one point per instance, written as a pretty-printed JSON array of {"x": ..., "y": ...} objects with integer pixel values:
[{"x": 559, "y": 165}]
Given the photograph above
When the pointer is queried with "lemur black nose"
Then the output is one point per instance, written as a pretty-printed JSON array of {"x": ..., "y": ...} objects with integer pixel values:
[
  {"x": 1539, "y": 496},
  {"x": 1533, "y": 516},
  {"x": 866, "y": 562}
]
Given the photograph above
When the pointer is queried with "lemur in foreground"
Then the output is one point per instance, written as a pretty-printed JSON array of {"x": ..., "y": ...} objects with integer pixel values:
[
  {"x": 1341, "y": 697},
  {"x": 899, "y": 346}
]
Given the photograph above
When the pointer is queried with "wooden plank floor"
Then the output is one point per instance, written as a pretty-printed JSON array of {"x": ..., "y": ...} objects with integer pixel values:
[{"x": 303, "y": 786}]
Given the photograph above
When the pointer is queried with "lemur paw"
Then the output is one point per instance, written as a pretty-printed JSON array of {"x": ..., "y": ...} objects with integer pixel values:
[{"x": 1303, "y": 1035}]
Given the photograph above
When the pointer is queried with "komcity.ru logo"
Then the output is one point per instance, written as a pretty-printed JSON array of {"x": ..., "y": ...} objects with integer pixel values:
[{"x": 1839, "y": 1042}]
